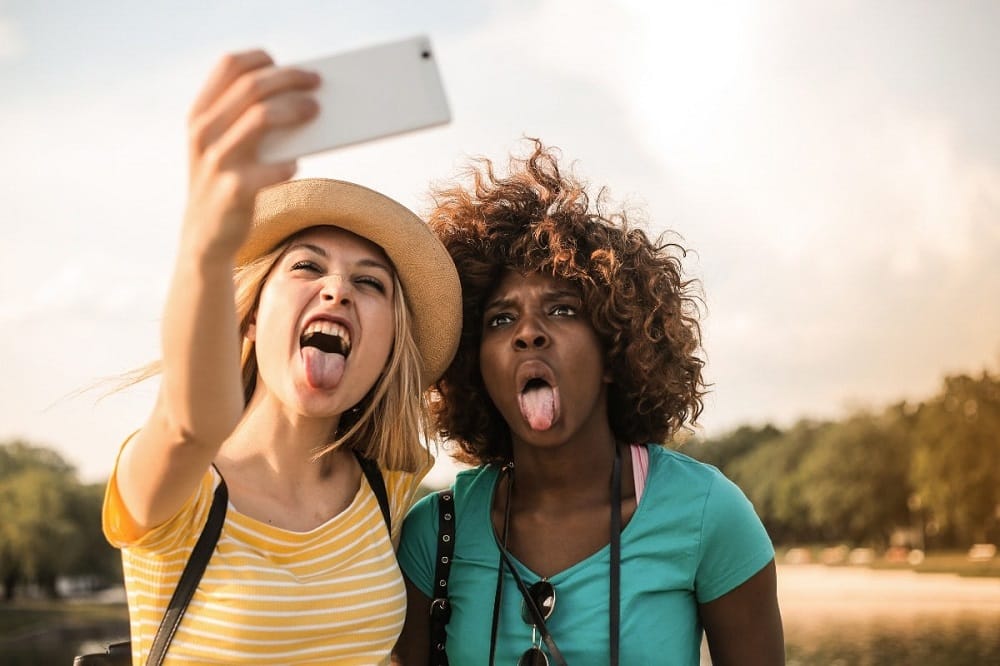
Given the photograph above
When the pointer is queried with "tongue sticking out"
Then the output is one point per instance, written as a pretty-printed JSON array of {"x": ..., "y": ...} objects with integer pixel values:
[
  {"x": 538, "y": 405},
  {"x": 324, "y": 370}
]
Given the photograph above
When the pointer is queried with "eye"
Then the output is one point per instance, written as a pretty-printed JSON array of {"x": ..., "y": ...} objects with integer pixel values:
[
  {"x": 563, "y": 310},
  {"x": 370, "y": 281},
  {"x": 306, "y": 266},
  {"x": 499, "y": 319}
]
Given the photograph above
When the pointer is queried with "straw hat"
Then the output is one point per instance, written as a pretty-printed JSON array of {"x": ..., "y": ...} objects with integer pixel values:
[{"x": 426, "y": 271}]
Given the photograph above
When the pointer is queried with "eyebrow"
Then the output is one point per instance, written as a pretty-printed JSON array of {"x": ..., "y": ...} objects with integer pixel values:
[
  {"x": 316, "y": 249},
  {"x": 551, "y": 295}
]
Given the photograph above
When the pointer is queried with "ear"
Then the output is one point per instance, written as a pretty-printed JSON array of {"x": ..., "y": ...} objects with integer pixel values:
[{"x": 251, "y": 334}]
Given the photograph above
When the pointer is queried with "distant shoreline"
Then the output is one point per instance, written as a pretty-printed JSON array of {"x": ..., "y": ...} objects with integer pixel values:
[{"x": 844, "y": 592}]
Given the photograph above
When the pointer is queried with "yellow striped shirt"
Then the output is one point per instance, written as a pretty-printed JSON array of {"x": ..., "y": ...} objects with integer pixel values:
[{"x": 332, "y": 595}]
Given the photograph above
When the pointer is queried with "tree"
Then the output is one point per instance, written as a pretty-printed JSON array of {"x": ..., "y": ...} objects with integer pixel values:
[
  {"x": 956, "y": 461},
  {"x": 858, "y": 487},
  {"x": 49, "y": 522},
  {"x": 773, "y": 478},
  {"x": 94, "y": 556},
  {"x": 724, "y": 450}
]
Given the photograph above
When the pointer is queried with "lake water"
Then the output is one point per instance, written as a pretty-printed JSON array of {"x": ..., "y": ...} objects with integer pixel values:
[
  {"x": 845, "y": 616},
  {"x": 833, "y": 616}
]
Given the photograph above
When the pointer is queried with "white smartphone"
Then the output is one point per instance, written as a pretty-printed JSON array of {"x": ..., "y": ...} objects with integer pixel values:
[{"x": 366, "y": 94}]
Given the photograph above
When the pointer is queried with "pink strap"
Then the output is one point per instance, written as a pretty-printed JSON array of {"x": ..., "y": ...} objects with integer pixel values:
[{"x": 640, "y": 468}]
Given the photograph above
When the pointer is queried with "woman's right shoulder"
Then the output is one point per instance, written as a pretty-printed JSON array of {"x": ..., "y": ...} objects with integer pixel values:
[
  {"x": 184, "y": 525},
  {"x": 474, "y": 485},
  {"x": 469, "y": 486}
]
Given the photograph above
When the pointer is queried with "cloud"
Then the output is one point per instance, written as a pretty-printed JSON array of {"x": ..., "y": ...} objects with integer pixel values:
[{"x": 845, "y": 226}]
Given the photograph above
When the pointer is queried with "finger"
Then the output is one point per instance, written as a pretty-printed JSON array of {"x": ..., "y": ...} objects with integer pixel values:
[
  {"x": 239, "y": 142},
  {"x": 229, "y": 68},
  {"x": 245, "y": 92},
  {"x": 260, "y": 176}
]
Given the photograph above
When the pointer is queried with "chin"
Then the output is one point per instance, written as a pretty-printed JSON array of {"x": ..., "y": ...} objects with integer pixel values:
[
  {"x": 551, "y": 438},
  {"x": 323, "y": 404}
]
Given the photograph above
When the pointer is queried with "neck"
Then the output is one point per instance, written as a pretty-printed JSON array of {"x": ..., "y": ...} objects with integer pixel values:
[
  {"x": 279, "y": 443},
  {"x": 554, "y": 474}
]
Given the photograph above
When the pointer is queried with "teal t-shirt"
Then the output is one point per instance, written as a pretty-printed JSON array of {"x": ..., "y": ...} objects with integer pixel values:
[{"x": 693, "y": 538}]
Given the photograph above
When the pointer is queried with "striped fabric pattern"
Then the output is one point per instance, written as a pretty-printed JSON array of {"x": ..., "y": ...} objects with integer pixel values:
[{"x": 333, "y": 595}]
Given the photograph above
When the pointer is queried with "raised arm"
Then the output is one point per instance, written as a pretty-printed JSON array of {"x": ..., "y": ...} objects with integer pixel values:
[
  {"x": 743, "y": 627},
  {"x": 201, "y": 398}
]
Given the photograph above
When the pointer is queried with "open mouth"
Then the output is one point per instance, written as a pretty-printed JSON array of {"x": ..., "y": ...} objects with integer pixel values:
[
  {"x": 328, "y": 337},
  {"x": 534, "y": 383},
  {"x": 538, "y": 401}
]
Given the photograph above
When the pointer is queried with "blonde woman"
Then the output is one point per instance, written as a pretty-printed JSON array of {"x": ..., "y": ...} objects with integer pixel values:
[{"x": 303, "y": 321}]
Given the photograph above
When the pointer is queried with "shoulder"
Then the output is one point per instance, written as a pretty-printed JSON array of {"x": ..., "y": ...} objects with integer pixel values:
[
  {"x": 470, "y": 486},
  {"x": 475, "y": 479},
  {"x": 401, "y": 487},
  {"x": 693, "y": 502},
  {"x": 396, "y": 479},
  {"x": 178, "y": 532},
  {"x": 680, "y": 480},
  {"x": 664, "y": 462}
]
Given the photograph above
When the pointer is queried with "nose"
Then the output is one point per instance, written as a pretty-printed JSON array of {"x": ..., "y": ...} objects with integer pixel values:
[
  {"x": 336, "y": 288},
  {"x": 530, "y": 335}
]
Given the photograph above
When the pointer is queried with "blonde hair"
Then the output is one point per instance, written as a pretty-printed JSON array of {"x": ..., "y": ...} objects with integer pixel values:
[{"x": 387, "y": 426}]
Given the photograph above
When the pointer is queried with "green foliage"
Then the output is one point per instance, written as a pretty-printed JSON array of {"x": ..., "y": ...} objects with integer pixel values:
[
  {"x": 18, "y": 455},
  {"x": 857, "y": 481},
  {"x": 858, "y": 488},
  {"x": 772, "y": 476},
  {"x": 723, "y": 450},
  {"x": 49, "y": 522},
  {"x": 956, "y": 460}
]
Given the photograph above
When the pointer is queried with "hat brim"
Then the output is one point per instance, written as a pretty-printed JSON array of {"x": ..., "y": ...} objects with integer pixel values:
[{"x": 430, "y": 282}]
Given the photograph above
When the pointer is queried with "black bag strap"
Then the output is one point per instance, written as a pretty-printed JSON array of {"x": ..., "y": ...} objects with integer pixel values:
[
  {"x": 377, "y": 483},
  {"x": 440, "y": 606},
  {"x": 193, "y": 571}
]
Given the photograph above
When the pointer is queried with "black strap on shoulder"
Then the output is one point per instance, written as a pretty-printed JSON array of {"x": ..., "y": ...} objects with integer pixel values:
[
  {"x": 193, "y": 571},
  {"x": 440, "y": 606},
  {"x": 377, "y": 483}
]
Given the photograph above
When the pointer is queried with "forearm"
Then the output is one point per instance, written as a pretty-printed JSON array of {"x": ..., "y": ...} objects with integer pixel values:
[
  {"x": 202, "y": 394},
  {"x": 200, "y": 399}
]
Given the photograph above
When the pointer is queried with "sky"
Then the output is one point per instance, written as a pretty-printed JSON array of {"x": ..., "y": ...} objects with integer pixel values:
[{"x": 834, "y": 168}]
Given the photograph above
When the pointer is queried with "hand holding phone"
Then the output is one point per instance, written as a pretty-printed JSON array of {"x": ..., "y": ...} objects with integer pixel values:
[{"x": 366, "y": 94}]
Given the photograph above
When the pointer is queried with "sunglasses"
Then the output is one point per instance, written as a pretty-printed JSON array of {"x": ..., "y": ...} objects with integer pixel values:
[{"x": 543, "y": 593}]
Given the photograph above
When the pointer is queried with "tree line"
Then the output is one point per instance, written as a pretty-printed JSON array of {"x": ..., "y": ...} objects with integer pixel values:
[
  {"x": 50, "y": 523},
  {"x": 926, "y": 474}
]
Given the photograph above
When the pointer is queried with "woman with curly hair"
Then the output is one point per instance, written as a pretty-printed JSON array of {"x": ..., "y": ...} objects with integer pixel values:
[{"x": 579, "y": 537}]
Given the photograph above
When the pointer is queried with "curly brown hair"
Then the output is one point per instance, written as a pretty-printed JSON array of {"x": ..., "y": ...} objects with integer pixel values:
[{"x": 538, "y": 219}]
